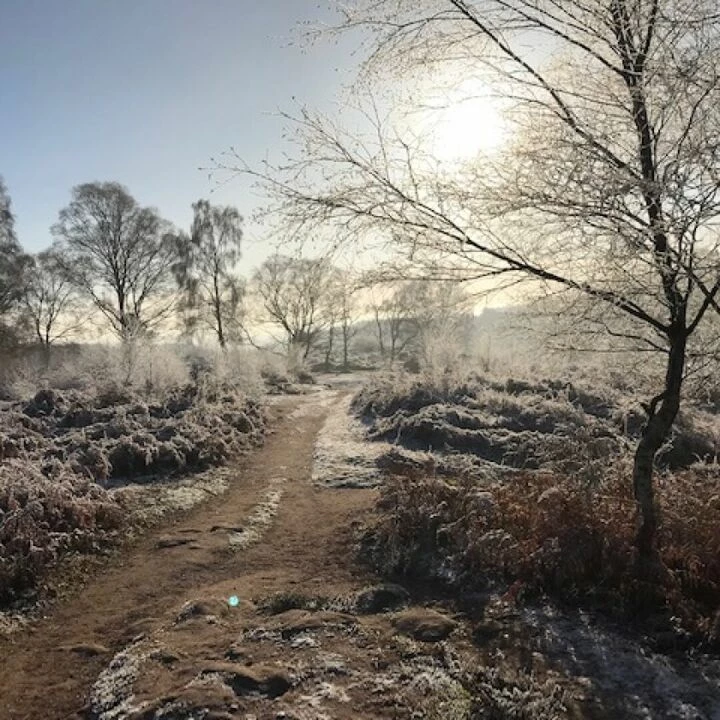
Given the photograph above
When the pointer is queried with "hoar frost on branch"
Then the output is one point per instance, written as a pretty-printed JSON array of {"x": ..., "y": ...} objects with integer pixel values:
[{"x": 607, "y": 192}]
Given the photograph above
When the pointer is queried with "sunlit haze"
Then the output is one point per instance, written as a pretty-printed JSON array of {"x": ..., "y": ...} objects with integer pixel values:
[
  {"x": 459, "y": 124},
  {"x": 466, "y": 128}
]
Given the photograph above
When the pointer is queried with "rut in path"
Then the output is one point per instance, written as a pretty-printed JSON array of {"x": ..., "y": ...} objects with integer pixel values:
[{"x": 47, "y": 671}]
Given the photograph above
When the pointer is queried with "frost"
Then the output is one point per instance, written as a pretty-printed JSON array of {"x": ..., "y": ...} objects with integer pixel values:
[
  {"x": 342, "y": 457},
  {"x": 112, "y": 696}
]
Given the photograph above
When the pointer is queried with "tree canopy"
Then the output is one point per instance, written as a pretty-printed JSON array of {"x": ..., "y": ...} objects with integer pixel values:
[
  {"x": 206, "y": 271},
  {"x": 292, "y": 292},
  {"x": 14, "y": 267},
  {"x": 119, "y": 255}
]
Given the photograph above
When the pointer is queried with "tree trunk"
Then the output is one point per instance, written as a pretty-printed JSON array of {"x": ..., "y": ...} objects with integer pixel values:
[
  {"x": 46, "y": 355},
  {"x": 381, "y": 342},
  {"x": 329, "y": 348},
  {"x": 346, "y": 344},
  {"x": 217, "y": 309},
  {"x": 307, "y": 343},
  {"x": 656, "y": 432},
  {"x": 394, "y": 335}
]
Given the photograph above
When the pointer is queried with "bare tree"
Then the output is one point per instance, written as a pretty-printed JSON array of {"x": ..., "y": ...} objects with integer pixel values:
[
  {"x": 441, "y": 314},
  {"x": 291, "y": 291},
  {"x": 50, "y": 300},
  {"x": 398, "y": 313},
  {"x": 205, "y": 271},
  {"x": 119, "y": 255},
  {"x": 413, "y": 314},
  {"x": 609, "y": 194},
  {"x": 348, "y": 312},
  {"x": 14, "y": 267},
  {"x": 395, "y": 312},
  {"x": 340, "y": 312}
]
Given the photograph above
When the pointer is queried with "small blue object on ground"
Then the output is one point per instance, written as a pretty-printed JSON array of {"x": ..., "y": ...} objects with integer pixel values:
[{"x": 233, "y": 601}]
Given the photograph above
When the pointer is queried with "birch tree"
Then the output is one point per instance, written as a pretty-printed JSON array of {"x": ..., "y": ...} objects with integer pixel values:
[
  {"x": 206, "y": 272},
  {"x": 50, "y": 301},
  {"x": 292, "y": 292},
  {"x": 119, "y": 255},
  {"x": 14, "y": 268},
  {"x": 607, "y": 192}
]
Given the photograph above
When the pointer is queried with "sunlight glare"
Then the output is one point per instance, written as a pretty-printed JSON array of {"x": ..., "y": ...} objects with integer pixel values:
[{"x": 464, "y": 124}]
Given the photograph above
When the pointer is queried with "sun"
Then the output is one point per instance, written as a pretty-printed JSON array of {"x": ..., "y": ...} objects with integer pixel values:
[
  {"x": 468, "y": 128},
  {"x": 461, "y": 124}
]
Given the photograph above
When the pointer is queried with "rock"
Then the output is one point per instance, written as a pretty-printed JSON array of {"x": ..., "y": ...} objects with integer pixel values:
[
  {"x": 245, "y": 680},
  {"x": 424, "y": 624},
  {"x": 381, "y": 598}
]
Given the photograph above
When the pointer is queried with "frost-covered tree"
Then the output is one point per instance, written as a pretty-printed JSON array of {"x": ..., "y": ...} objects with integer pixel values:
[
  {"x": 348, "y": 312},
  {"x": 119, "y": 255},
  {"x": 292, "y": 292},
  {"x": 416, "y": 314},
  {"x": 341, "y": 311},
  {"x": 13, "y": 262},
  {"x": 50, "y": 300},
  {"x": 206, "y": 272},
  {"x": 393, "y": 308},
  {"x": 607, "y": 194},
  {"x": 14, "y": 267}
]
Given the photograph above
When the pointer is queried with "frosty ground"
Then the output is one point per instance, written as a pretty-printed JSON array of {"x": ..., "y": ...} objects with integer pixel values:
[{"x": 320, "y": 632}]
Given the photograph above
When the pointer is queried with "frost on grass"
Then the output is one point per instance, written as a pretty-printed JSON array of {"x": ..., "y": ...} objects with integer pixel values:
[
  {"x": 638, "y": 682},
  {"x": 112, "y": 695},
  {"x": 43, "y": 517},
  {"x": 342, "y": 457},
  {"x": 543, "y": 508},
  {"x": 440, "y": 695},
  {"x": 79, "y": 470},
  {"x": 148, "y": 504},
  {"x": 507, "y": 423}
]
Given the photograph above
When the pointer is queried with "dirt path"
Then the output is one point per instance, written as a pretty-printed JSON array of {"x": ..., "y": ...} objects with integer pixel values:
[
  {"x": 47, "y": 672},
  {"x": 313, "y": 635}
]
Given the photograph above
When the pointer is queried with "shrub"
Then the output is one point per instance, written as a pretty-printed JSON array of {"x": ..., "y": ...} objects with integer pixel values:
[
  {"x": 545, "y": 533},
  {"x": 516, "y": 423},
  {"x": 61, "y": 449},
  {"x": 43, "y": 518}
]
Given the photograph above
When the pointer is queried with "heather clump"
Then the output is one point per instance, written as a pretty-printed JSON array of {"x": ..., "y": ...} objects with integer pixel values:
[
  {"x": 46, "y": 516},
  {"x": 66, "y": 453},
  {"x": 527, "y": 483},
  {"x": 123, "y": 437},
  {"x": 544, "y": 533},
  {"x": 522, "y": 424}
]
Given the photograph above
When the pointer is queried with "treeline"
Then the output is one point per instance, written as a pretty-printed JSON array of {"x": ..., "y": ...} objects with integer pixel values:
[
  {"x": 122, "y": 270},
  {"x": 122, "y": 264}
]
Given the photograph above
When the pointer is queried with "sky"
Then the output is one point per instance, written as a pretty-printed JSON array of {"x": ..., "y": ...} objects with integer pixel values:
[{"x": 146, "y": 92}]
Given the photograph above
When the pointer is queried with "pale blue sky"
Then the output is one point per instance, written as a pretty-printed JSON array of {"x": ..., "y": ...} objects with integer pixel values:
[{"x": 145, "y": 92}]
